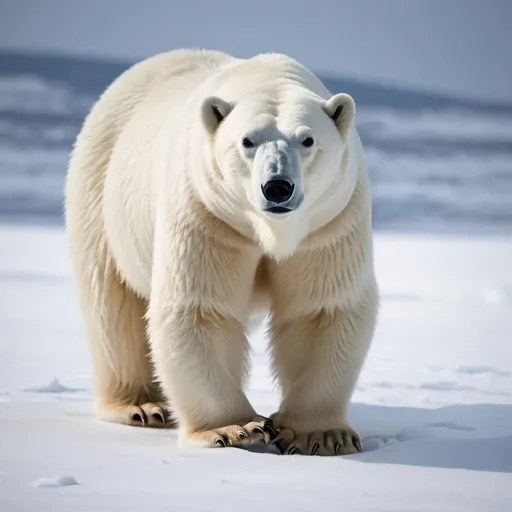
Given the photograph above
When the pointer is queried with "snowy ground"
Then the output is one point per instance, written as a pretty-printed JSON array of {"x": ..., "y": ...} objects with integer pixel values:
[{"x": 433, "y": 404}]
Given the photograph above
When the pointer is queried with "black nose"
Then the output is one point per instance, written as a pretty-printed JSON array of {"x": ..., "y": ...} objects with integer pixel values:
[{"x": 277, "y": 191}]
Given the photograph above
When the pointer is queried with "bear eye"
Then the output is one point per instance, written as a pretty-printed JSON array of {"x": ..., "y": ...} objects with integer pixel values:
[
  {"x": 308, "y": 142},
  {"x": 247, "y": 143}
]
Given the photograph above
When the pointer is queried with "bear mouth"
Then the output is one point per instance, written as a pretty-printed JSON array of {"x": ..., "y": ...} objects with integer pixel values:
[{"x": 277, "y": 209}]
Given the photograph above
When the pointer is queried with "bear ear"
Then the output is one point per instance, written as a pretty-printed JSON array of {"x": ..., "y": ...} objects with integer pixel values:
[
  {"x": 341, "y": 109},
  {"x": 214, "y": 111}
]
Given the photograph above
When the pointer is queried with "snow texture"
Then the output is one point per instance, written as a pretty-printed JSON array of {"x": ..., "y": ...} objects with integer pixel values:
[{"x": 433, "y": 403}]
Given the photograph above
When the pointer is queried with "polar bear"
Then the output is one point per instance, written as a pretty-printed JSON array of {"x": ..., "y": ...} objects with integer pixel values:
[{"x": 204, "y": 189}]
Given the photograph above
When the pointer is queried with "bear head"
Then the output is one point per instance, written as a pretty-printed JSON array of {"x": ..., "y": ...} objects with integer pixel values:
[{"x": 280, "y": 155}]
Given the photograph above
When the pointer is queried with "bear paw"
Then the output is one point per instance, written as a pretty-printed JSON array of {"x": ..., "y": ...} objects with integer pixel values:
[
  {"x": 258, "y": 430},
  {"x": 145, "y": 415},
  {"x": 342, "y": 441}
]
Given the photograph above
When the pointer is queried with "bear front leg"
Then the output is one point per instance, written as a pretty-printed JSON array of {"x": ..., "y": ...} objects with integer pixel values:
[
  {"x": 317, "y": 358},
  {"x": 200, "y": 359},
  {"x": 199, "y": 302},
  {"x": 319, "y": 342}
]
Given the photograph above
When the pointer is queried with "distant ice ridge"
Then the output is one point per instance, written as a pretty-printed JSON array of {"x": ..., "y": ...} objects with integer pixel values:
[
  {"x": 30, "y": 94},
  {"x": 451, "y": 125},
  {"x": 54, "y": 386}
]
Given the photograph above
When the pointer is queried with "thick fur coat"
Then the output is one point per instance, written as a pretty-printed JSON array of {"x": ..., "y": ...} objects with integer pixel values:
[{"x": 202, "y": 191}]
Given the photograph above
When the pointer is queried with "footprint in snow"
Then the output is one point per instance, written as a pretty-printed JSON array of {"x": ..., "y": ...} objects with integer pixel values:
[{"x": 374, "y": 442}]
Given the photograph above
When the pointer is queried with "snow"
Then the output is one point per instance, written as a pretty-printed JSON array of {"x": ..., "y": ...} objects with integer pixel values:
[
  {"x": 57, "y": 481},
  {"x": 433, "y": 403}
]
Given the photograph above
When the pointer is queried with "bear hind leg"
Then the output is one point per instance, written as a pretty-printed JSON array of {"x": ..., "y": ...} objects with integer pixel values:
[{"x": 125, "y": 389}]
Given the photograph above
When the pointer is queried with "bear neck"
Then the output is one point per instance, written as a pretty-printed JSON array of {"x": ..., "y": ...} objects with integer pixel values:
[{"x": 279, "y": 238}]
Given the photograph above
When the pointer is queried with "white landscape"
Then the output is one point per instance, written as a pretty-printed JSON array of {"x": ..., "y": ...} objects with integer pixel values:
[{"x": 433, "y": 403}]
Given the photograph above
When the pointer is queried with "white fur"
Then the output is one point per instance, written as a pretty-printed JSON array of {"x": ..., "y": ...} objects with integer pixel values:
[{"x": 168, "y": 237}]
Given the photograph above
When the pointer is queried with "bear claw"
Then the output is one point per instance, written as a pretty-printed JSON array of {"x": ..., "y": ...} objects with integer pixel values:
[
  {"x": 138, "y": 418},
  {"x": 146, "y": 415},
  {"x": 343, "y": 441},
  {"x": 155, "y": 414},
  {"x": 259, "y": 430}
]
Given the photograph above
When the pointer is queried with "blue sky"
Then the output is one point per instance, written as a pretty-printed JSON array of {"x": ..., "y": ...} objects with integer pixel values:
[{"x": 463, "y": 47}]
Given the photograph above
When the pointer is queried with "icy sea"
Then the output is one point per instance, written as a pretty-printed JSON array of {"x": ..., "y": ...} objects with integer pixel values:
[{"x": 437, "y": 164}]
